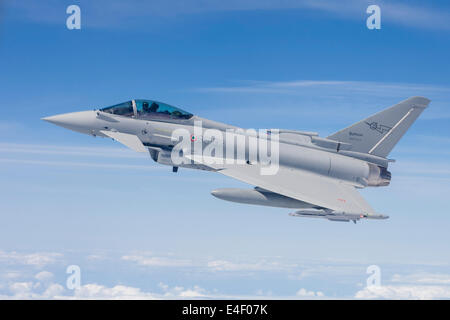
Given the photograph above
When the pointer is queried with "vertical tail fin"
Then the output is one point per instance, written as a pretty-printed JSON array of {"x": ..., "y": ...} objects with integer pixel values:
[{"x": 379, "y": 133}]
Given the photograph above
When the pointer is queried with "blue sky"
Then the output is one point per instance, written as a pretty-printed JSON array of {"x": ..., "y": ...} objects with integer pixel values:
[{"x": 138, "y": 230}]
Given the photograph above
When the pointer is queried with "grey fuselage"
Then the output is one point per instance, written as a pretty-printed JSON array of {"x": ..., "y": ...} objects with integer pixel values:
[
  {"x": 297, "y": 150},
  {"x": 289, "y": 168}
]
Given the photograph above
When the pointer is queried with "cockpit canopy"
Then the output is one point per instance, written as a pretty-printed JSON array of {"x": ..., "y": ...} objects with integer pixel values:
[{"x": 147, "y": 109}]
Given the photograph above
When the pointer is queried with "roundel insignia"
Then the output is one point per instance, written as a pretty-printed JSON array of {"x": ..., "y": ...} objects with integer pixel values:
[{"x": 193, "y": 138}]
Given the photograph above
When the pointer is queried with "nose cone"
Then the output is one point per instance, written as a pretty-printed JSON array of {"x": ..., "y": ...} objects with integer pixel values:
[{"x": 83, "y": 121}]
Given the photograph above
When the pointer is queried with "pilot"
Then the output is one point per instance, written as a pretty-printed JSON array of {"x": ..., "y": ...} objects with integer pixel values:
[
  {"x": 154, "y": 107},
  {"x": 145, "y": 106}
]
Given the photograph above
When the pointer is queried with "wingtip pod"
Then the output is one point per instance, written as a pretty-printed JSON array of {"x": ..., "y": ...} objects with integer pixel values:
[
  {"x": 335, "y": 215},
  {"x": 376, "y": 216}
]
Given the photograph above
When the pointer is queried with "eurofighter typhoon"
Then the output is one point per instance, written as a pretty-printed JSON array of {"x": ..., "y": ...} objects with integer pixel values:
[{"x": 316, "y": 176}]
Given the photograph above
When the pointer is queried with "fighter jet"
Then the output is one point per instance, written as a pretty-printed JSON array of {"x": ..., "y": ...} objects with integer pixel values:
[{"x": 316, "y": 176}]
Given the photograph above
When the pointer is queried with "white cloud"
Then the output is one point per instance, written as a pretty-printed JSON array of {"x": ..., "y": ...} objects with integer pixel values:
[
  {"x": 296, "y": 85},
  {"x": 153, "y": 261},
  {"x": 11, "y": 275},
  {"x": 40, "y": 285},
  {"x": 52, "y": 291},
  {"x": 38, "y": 259},
  {"x": 96, "y": 291},
  {"x": 423, "y": 286},
  {"x": 44, "y": 276},
  {"x": 404, "y": 292},
  {"x": 96, "y": 257},
  {"x": 331, "y": 270},
  {"x": 309, "y": 294},
  {"x": 423, "y": 278},
  {"x": 196, "y": 292},
  {"x": 33, "y": 290},
  {"x": 22, "y": 290},
  {"x": 21, "y": 287},
  {"x": 263, "y": 265},
  {"x": 163, "y": 286}
]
